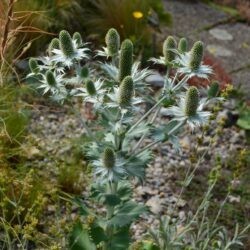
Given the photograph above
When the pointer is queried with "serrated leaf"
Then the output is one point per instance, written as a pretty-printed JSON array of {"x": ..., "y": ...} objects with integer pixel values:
[
  {"x": 124, "y": 190},
  {"x": 120, "y": 240},
  {"x": 79, "y": 239},
  {"x": 111, "y": 199},
  {"x": 127, "y": 213},
  {"x": 97, "y": 233}
]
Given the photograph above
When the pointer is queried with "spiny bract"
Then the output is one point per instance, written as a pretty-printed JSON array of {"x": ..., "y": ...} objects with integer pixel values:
[
  {"x": 126, "y": 59},
  {"x": 196, "y": 55},
  {"x": 112, "y": 40},
  {"x": 168, "y": 45},
  {"x": 126, "y": 91},
  {"x": 108, "y": 158},
  {"x": 192, "y": 101},
  {"x": 66, "y": 44}
]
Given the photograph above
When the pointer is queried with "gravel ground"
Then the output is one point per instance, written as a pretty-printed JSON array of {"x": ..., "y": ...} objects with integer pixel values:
[{"x": 53, "y": 128}]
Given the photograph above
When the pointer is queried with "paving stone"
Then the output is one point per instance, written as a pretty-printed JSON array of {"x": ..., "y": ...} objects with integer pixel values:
[
  {"x": 189, "y": 16},
  {"x": 242, "y": 78},
  {"x": 233, "y": 53}
]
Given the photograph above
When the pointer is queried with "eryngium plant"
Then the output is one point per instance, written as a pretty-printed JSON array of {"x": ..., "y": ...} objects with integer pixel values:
[{"x": 118, "y": 152}]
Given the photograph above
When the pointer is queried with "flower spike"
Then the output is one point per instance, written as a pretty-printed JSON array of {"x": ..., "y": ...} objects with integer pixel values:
[
  {"x": 126, "y": 59},
  {"x": 126, "y": 91},
  {"x": 183, "y": 46},
  {"x": 90, "y": 88},
  {"x": 196, "y": 55},
  {"x": 108, "y": 158},
  {"x": 112, "y": 40},
  {"x": 169, "y": 44},
  {"x": 66, "y": 44},
  {"x": 33, "y": 66},
  {"x": 50, "y": 78},
  {"x": 192, "y": 101}
]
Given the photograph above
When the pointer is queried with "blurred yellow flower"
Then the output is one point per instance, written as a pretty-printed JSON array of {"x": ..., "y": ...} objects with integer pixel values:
[{"x": 137, "y": 14}]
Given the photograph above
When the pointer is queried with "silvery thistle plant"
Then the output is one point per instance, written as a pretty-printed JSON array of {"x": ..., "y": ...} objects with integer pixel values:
[{"x": 117, "y": 152}]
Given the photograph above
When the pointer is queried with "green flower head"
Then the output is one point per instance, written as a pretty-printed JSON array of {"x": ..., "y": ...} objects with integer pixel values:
[
  {"x": 50, "y": 78},
  {"x": 34, "y": 66},
  {"x": 168, "y": 45},
  {"x": 77, "y": 36},
  {"x": 90, "y": 87},
  {"x": 213, "y": 90},
  {"x": 66, "y": 44},
  {"x": 84, "y": 72},
  {"x": 108, "y": 158},
  {"x": 54, "y": 44},
  {"x": 126, "y": 91},
  {"x": 182, "y": 45},
  {"x": 112, "y": 40},
  {"x": 196, "y": 55},
  {"x": 192, "y": 101},
  {"x": 126, "y": 59}
]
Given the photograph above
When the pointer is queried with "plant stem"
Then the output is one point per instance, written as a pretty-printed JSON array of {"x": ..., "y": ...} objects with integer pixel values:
[{"x": 146, "y": 114}]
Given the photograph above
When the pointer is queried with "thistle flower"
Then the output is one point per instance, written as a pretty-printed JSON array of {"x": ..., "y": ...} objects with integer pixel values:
[
  {"x": 168, "y": 45},
  {"x": 109, "y": 167},
  {"x": 126, "y": 91},
  {"x": 182, "y": 45},
  {"x": 78, "y": 38},
  {"x": 196, "y": 56},
  {"x": 112, "y": 40},
  {"x": 34, "y": 67},
  {"x": 192, "y": 101},
  {"x": 213, "y": 89},
  {"x": 108, "y": 158},
  {"x": 53, "y": 83},
  {"x": 190, "y": 63},
  {"x": 126, "y": 59},
  {"x": 190, "y": 109},
  {"x": 54, "y": 44},
  {"x": 93, "y": 92},
  {"x": 90, "y": 87},
  {"x": 68, "y": 51}
]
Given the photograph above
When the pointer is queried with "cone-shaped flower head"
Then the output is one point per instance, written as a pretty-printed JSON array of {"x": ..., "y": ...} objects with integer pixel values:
[
  {"x": 50, "y": 78},
  {"x": 182, "y": 46},
  {"x": 192, "y": 101},
  {"x": 54, "y": 44},
  {"x": 90, "y": 87},
  {"x": 126, "y": 91},
  {"x": 213, "y": 90},
  {"x": 33, "y": 66},
  {"x": 126, "y": 59},
  {"x": 84, "y": 72},
  {"x": 66, "y": 44},
  {"x": 196, "y": 55},
  {"x": 112, "y": 40},
  {"x": 77, "y": 36},
  {"x": 168, "y": 45},
  {"x": 108, "y": 158}
]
